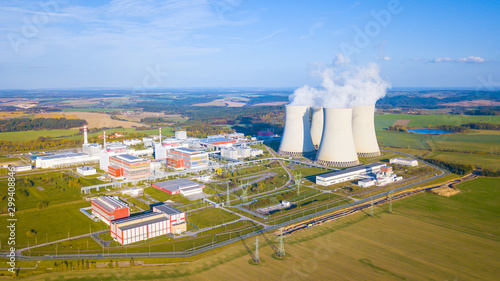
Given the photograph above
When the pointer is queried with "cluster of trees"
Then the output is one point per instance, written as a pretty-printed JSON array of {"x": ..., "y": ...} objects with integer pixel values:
[
  {"x": 460, "y": 169},
  {"x": 482, "y": 126},
  {"x": 201, "y": 130},
  {"x": 398, "y": 128},
  {"x": 25, "y": 124},
  {"x": 154, "y": 120},
  {"x": 41, "y": 143},
  {"x": 42, "y": 205},
  {"x": 490, "y": 173}
]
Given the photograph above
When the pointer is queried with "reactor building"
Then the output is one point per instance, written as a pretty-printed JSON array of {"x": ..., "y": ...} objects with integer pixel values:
[
  {"x": 296, "y": 140},
  {"x": 340, "y": 135}
]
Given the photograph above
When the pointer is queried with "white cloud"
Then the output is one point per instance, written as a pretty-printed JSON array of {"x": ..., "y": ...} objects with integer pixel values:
[
  {"x": 469, "y": 59},
  {"x": 386, "y": 58}
]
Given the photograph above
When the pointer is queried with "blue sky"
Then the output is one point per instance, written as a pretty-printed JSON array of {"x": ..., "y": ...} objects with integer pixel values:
[{"x": 245, "y": 43}]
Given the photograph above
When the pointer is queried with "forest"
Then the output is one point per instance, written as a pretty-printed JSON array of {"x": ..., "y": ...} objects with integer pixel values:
[{"x": 25, "y": 124}]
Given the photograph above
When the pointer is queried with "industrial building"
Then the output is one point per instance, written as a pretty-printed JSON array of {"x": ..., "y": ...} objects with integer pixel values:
[
  {"x": 128, "y": 166},
  {"x": 238, "y": 152},
  {"x": 185, "y": 158},
  {"x": 138, "y": 228},
  {"x": 404, "y": 161},
  {"x": 116, "y": 147},
  {"x": 108, "y": 208},
  {"x": 64, "y": 159},
  {"x": 132, "y": 142},
  {"x": 296, "y": 140},
  {"x": 86, "y": 170},
  {"x": 348, "y": 174},
  {"x": 176, "y": 217},
  {"x": 179, "y": 186},
  {"x": 384, "y": 176},
  {"x": 92, "y": 149},
  {"x": 163, "y": 220},
  {"x": 22, "y": 168},
  {"x": 363, "y": 131},
  {"x": 337, "y": 145},
  {"x": 217, "y": 141}
]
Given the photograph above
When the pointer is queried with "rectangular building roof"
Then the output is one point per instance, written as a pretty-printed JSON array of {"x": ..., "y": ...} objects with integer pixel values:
[
  {"x": 174, "y": 185},
  {"x": 110, "y": 203},
  {"x": 187, "y": 150},
  {"x": 62, "y": 155},
  {"x": 128, "y": 158},
  {"x": 139, "y": 220},
  {"x": 169, "y": 210},
  {"x": 350, "y": 170}
]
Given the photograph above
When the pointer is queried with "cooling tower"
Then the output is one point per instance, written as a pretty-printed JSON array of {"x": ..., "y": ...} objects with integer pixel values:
[
  {"x": 316, "y": 125},
  {"x": 363, "y": 131},
  {"x": 296, "y": 141},
  {"x": 337, "y": 145}
]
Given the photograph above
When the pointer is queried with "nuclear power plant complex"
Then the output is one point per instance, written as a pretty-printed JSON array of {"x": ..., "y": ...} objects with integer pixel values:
[{"x": 332, "y": 136}]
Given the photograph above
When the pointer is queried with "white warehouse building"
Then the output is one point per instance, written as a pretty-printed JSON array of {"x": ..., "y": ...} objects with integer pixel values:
[
  {"x": 64, "y": 159},
  {"x": 348, "y": 174},
  {"x": 404, "y": 161}
]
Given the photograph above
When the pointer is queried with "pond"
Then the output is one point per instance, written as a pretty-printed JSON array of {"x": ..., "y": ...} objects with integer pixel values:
[{"x": 429, "y": 131}]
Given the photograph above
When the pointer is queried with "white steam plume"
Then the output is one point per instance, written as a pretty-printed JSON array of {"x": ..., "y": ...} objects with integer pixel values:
[{"x": 343, "y": 85}]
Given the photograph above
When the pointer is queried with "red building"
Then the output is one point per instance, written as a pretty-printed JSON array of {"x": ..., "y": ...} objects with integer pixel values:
[
  {"x": 109, "y": 208},
  {"x": 217, "y": 141}
]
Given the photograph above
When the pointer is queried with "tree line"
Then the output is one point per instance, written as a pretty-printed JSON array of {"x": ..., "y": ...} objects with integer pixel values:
[
  {"x": 459, "y": 169},
  {"x": 25, "y": 124}
]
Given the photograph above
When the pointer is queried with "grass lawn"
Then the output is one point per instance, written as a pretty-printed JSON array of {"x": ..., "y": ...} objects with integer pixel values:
[
  {"x": 423, "y": 121},
  {"x": 210, "y": 217},
  {"x": 488, "y": 161},
  {"x": 54, "y": 221}
]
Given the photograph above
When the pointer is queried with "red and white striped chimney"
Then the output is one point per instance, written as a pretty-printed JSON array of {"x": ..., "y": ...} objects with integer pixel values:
[
  {"x": 85, "y": 141},
  {"x": 104, "y": 132}
]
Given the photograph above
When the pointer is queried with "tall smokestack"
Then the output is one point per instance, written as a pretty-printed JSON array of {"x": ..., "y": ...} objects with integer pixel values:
[
  {"x": 160, "y": 133},
  {"x": 316, "y": 125},
  {"x": 337, "y": 144},
  {"x": 85, "y": 141},
  {"x": 104, "y": 133},
  {"x": 296, "y": 140},
  {"x": 363, "y": 131}
]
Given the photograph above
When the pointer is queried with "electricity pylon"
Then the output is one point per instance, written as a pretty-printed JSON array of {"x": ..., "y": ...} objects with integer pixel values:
[{"x": 256, "y": 250}]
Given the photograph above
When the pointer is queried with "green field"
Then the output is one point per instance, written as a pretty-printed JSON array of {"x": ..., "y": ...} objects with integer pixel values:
[
  {"x": 33, "y": 135},
  {"x": 427, "y": 237},
  {"x": 488, "y": 161},
  {"x": 423, "y": 121}
]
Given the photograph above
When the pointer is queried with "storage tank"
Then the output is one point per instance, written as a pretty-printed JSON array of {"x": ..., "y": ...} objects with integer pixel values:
[
  {"x": 337, "y": 144},
  {"x": 316, "y": 125},
  {"x": 363, "y": 131},
  {"x": 296, "y": 140}
]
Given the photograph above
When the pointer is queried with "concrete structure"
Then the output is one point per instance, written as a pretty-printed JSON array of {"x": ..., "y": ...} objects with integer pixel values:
[
  {"x": 316, "y": 125},
  {"x": 179, "y": 186},
  {"x": 147, "y": 141},
  {"x": 139, "y": 228},
  {"x": 22, "y": 168},
  {"x": 132, "y": 142},
  {"x": 185, "y": 158},
  {"x": 363, "y": 131},
  {"x": 404, "y": 161},
  {"x": 348, "y": 174},
  {"x": 64, "y": 159},
  {"x": 85, "y": 141},
  {"x": 116, "y": 147},
  {"x": 134, "y": 191},
  {"x": 367, "y": 182},
  {"x": 108, "y": 208},
  {"x": 91, "y": 149},
  {"x": 337, "y": 145},
  {"x": 86, "y": 170},
  {"x": 238, "y": 152},
  {"x": 180, "y": 135},
  {"x": 128, "y": 166},
  {"x": 160, "y": 152},
  {"x": 296, "y": 140}
]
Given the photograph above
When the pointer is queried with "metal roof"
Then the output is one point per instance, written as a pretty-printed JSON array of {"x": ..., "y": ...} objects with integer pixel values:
[
  {"x": 174, "y": 185},
  {"x": 187, "y": 150},
  {"x": 169, "y": 210},
  {"x": 129, "y": 158},
  {"x": 139, "y": 220},
  {"x": 350, "y": 170},
  {"x": 110, "y": 203},
  {"x": 61, "y": 155}
]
